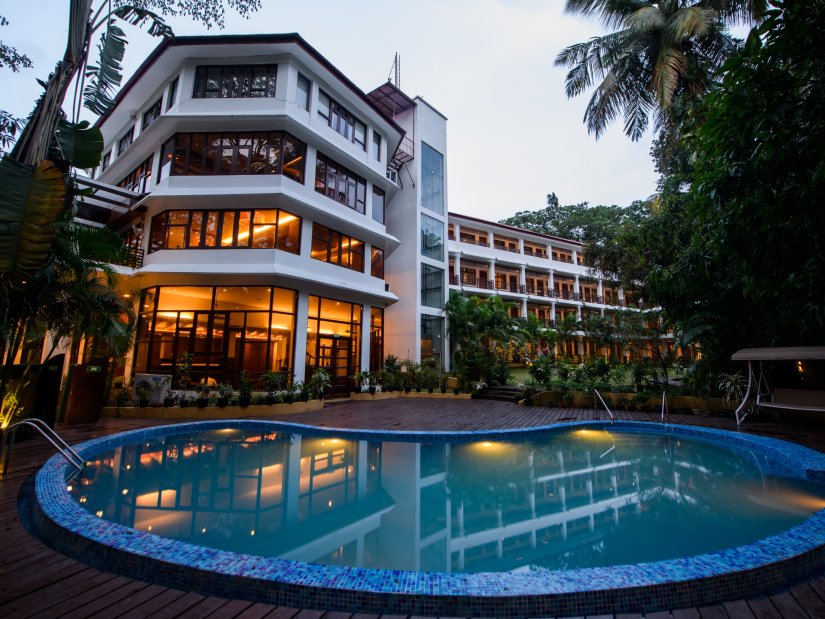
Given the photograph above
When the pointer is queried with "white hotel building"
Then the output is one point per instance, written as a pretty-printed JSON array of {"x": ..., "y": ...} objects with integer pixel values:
[{"x": 283, "y": 219}]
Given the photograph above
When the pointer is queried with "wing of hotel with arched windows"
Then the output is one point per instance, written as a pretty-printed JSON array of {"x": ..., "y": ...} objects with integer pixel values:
[{"x": 281, "y": 219}]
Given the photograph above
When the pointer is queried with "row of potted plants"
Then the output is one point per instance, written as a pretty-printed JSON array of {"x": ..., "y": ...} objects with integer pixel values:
[{"x": 275, "y": 385}]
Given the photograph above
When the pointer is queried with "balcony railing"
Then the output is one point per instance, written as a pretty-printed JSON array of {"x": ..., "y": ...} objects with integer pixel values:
[
  {"x": 474, "y": 241},
  {"x": 132, "y": 258}
]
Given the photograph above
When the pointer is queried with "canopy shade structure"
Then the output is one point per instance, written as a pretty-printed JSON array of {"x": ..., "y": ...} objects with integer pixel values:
[
  {"x": 788, "y": 353},
  {"x": 779, "y": 399}
]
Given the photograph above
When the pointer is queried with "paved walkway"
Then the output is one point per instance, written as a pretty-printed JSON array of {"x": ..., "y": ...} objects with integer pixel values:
[{"x": 35, "y": 581}]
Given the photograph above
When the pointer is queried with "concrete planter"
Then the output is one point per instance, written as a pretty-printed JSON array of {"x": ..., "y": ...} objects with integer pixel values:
[{"x": 213, "y": 412}]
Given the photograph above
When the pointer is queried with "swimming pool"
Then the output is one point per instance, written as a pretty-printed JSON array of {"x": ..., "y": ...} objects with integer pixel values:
[{"x": 568, "y": 519}]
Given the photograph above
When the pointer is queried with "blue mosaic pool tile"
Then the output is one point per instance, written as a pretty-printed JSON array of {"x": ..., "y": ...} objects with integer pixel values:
[{"x": 693, "y": 581}]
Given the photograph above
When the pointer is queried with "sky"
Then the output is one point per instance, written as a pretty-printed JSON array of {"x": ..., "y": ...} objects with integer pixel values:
[{"x": 487, "y": 65}]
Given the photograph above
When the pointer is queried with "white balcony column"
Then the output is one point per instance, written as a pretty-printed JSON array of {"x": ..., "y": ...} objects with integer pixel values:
[
  {"x": 457, "y": 267},
  {"x": 576, "y": 288},
  {"x": 552, "y": 287},
  {"x": 524, "y": 308},
  {"x": 575, "y": 257},
  {"x": 492, "y": 272},
  {"x": 301, "y": 320},
  {"x": 457, "y": 232},
  {"x": 600, "y": 289},
  {"x": 522, "y": 277},
  {"x": 489, "y": 239},
  {"x": 365, "y": 338},
  {"x": 521, "y": 246}
]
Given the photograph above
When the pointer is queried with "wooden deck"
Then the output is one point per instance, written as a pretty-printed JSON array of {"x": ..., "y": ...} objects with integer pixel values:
[{"x": 35, "y": 581}]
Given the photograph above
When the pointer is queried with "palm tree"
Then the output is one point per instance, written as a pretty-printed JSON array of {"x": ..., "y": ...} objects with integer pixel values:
[{"x": 661, "y": 50}]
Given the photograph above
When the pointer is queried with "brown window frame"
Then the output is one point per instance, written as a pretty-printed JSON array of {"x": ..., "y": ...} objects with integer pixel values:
[
  {"x": 336, "y": 248},
  {"x": 152, "y": 114},
  {"x": 331, "y": 177},
  {"x": 161, "y": 227},
  {"x": 235, "y": 81},
  {"x": 377, "y": 262}
]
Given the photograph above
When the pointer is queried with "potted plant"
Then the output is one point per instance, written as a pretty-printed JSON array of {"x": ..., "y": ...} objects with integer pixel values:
[
  {"x": 184, "y": 371},
  {"x": 170, "y": 399},
  {"x": 203, "y": 395},
  {"x": 142, "y": 391},
  {"x": 272, "y": 382},
  {"x": 362, "y": 379},
  {"x": 245, "y": 390},
  {"x": 224, "y": 394},
  {"x": 409, "y": 374},
  {"x": 319, "y": 382}
]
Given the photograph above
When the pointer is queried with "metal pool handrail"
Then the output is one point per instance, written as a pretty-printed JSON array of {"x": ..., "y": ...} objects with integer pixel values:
[
  {"x": 46, "y": 432},
  {"x": 665, "y": 407},
  {"x": 596, "y": 394}
]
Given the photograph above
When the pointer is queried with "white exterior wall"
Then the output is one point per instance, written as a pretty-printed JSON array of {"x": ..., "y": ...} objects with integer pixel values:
[{"x": 403, "y": 332}]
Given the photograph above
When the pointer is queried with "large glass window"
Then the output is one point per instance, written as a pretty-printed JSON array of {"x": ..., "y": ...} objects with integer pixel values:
[
  {"x": 378, "y": 204},
  {"x": 333, "y": 340},
  {"x": 432, "y": 238},
  {"x": 432, "y": 286},
  {"x": 195, "y": 154},
  {"x": 337, "y": 182},
  {"x": 226, "y": 329},
  {"x": 258, "y": 229},
  {"x": 341, "y": 120},
  {"x": 432, "y": 179},
  {"x": 331, "y": 246},
  {"x": 376, "y": 146},
  {"x": 235, "y": 82},
  {"x": 432, "y": 337}
]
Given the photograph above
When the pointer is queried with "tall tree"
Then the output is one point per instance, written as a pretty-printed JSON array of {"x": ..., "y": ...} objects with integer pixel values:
[{"x": 661, "y": 49}]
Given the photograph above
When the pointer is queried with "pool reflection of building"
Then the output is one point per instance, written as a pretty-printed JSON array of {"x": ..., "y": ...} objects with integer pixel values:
[{"x": 338, "y": 501}]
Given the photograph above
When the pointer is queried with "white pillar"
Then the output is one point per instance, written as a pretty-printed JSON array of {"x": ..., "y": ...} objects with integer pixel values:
[
  {"x": 301, "y": 319},
  {"x": 365, "y": 338}
]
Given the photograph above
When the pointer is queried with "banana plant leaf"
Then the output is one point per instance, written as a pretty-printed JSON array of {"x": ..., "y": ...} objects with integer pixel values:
[
  {"x": 30, "y": 204},
  {"x": 106, "y": 76},
  {"x": 78, "y": 144}
]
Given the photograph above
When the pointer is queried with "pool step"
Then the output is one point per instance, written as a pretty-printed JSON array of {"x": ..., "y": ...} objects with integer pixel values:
[{"x": 503, "y": 393}]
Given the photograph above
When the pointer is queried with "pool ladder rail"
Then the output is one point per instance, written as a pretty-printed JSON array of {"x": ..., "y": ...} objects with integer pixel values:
[
  {"x": 46, "y": 432},
  {"x": 598, "y": 395}
]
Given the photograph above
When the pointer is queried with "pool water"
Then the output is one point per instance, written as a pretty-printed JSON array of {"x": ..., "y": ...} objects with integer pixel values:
[{"x": 567, "y": 499}]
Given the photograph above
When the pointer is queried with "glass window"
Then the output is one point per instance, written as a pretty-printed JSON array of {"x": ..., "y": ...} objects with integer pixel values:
[
  {"x": 376, "y": 146},
  {"x": 432, "y": 179},
  {"x": 378, "y": 204},
  {"x": 151, "y": 114},
  {"x": 432, "y": 337},
  {"x": 173, "y": 94},
  {"x": 341, "y": 120},
  {"x": 261, "y": 229},
  {"x": 338, "y": 183},
  {"x": 194, "y": 154},
  {"x": 106, "y": 159},
  {"x": 302, "y": 98},
  {"x": 336, "y": 248},
  {"x": 124, "y": 142},
  {"x": 432, "y": 286},
  {"x": 138, "y": 179},
  {"x": 235, "y": 82},
  {"x": 376, "y": 338},
  {"x": 432, "y": 238},
  {"x": 323, "y": 104},
  {"x": 377, "y": 262}
]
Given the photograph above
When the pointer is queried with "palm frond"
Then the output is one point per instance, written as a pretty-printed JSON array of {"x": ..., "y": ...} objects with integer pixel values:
[
  {"x": 690, "y": 22},
  {"x": 612, "y": 13},
  {"x": 137, "y": 16},
  {"x": 30, "y": 204},
  {"x": 670, "y": 69},
  {"x": 739, "y": 11},
  {"x": 591, "y": 60},
  {"x": 646, "y": 19},
  {"x": 106, "y": 76}
]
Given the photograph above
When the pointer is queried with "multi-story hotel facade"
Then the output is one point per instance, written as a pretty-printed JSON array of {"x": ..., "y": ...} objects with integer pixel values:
[{"x": 281, "y": 219}]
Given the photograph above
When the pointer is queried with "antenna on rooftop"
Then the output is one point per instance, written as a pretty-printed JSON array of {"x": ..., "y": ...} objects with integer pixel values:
[{"x": 395, "y": 72}]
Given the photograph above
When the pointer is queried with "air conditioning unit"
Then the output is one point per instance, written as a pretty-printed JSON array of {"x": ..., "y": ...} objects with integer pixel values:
[{"x": 392, "y": 175}]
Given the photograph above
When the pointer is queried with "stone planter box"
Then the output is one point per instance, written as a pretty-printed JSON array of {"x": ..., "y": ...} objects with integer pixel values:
[{"x": 213, "y": 412}]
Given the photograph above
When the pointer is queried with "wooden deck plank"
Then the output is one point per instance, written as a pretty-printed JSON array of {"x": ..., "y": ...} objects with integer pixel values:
[
  {"x": 133, "y": 587},
  {"x": 787, "y": 606},
  {"x": 130, "y": 603},
  {"x": 763, "y": 608},
  {"x": 179, "y": 606},
  {"x": 258, "y": 610},
  {"x": 65, "y": 604},
  {"x": 809, "y": 600},
  {"x": 738, "y": 609},
  {"x": 204, "y": 607},
  {"x": 713, "y": 612},
  {"x": 153, "y": 604},
  {"x": 230, "y": 610},
  {"x": 686, "y": 613}
]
